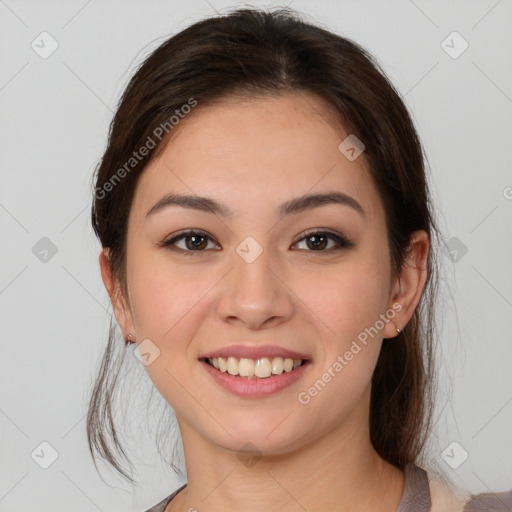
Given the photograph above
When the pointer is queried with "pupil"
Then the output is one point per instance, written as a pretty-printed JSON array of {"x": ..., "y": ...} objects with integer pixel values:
[
  {"x": 194, "y": 239},
  {"x": 317, "y": 244}
]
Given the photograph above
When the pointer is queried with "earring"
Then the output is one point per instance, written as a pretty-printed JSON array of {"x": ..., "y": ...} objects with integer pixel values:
[
  {"x": 398, "y": 330},
  {"x": 128, "y": 340}
]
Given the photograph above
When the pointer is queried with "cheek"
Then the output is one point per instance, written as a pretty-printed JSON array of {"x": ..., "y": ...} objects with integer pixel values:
[
  {"x": 164, "y": 296},
  {"x": 346, "y": 308},
  {"x": 168, "y": 304},
  {"x": 346, "y": 303},
  {"x": 346, "y": 298}
]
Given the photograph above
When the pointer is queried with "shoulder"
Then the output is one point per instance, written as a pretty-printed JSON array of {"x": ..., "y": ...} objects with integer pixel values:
[
  {"x": 161, "y": 506},
  {"x": 446, "y": 498},
  {"x": 484, "y": 502}
]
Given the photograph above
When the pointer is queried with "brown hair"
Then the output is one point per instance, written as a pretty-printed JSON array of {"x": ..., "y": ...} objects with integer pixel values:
[{"x": 250, "y": 52}]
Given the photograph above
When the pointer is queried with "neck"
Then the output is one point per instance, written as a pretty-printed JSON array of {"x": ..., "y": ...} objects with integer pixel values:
[{"x": 338, "y": 471}]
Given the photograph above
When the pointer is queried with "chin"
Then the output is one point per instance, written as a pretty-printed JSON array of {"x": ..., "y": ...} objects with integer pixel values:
[{"x": 262, "y": 438}]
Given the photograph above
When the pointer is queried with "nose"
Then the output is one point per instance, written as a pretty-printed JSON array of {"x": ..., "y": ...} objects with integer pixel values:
[{"x": 255, "y": 293}]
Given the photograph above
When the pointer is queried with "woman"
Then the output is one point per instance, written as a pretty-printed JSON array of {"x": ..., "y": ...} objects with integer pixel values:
[{"x": 269, "y": 245}]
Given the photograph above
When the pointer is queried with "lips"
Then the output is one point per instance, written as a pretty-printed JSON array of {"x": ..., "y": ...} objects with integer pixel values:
[
  {"x": 255, "y": 352},
  {"x": 255, "y": 387},
  {"x": 261, "y": 383}
]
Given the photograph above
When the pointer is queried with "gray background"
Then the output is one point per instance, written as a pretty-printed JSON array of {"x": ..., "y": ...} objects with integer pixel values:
[{"x": 54, "y": 313}]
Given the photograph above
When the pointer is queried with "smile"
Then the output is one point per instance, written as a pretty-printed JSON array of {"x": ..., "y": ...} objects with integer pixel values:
[
  {"x": 261, "y": 368},
  {"x": 255, "y": 378}
]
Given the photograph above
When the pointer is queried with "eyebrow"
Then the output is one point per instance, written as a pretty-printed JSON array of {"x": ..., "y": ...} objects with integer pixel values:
[{"x": 296, "y": 205}]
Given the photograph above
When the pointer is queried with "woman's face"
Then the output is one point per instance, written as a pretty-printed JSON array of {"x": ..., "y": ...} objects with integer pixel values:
[{"x": 255, "y": 279}]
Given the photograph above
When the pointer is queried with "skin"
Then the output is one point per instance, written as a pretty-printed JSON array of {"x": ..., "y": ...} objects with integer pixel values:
[{"x": 253, "y": 155}]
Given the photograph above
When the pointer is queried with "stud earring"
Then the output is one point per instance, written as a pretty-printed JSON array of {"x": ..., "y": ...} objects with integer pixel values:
[
  {"x": 129, "y": 340},
  {"x": 398, "y": 330}
]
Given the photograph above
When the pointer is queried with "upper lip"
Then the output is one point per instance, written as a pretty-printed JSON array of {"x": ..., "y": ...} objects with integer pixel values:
[{"x": 255, "y": 352}]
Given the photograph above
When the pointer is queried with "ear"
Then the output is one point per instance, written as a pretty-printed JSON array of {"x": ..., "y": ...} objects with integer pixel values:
[
  {"x": 121, "y": 309},
  {"x": 409, "y": 285}
]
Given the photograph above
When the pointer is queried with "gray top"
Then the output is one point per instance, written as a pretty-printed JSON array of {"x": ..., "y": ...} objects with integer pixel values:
[{"x": 415, "y": 496}]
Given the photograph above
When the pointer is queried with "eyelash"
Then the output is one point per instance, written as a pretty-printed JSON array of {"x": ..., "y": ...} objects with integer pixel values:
[{"x": 342, "y": 241}]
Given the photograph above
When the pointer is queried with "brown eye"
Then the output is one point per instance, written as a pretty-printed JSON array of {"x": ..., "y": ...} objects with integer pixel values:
[
  {"x": 318, "y": 241},
  {"x": 194, "y": 241},
  {"x": 315, "y": 240}
]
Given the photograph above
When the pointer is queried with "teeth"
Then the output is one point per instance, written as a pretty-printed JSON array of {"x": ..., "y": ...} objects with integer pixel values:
[
  {"x": 263, "y": 369},
  {"x": 246, "y": 368},
  {"x": 232, "y": 366},
  {"x": 255, "y": 368},
  {"x": 277, "y": 365}
]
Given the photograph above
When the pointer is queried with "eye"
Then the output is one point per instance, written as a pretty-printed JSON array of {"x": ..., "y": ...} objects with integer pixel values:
[
  {"x": 194, "y": 241},
  {"x": 319, "y": 240},
  {"x": 315, "y": 239}
]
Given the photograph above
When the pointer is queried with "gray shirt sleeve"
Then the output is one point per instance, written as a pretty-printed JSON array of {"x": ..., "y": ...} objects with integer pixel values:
[
  {"x": 160, "y": 507},
  {"x": 490, "y": 502},
  {"x": 416, "y": 493}
]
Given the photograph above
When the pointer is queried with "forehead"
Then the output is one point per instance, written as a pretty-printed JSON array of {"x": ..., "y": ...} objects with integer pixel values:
[{"x": 258, "y": 152}]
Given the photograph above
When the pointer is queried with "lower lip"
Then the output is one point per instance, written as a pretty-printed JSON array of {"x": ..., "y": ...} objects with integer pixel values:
[{"x": 255, "y": 388}]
